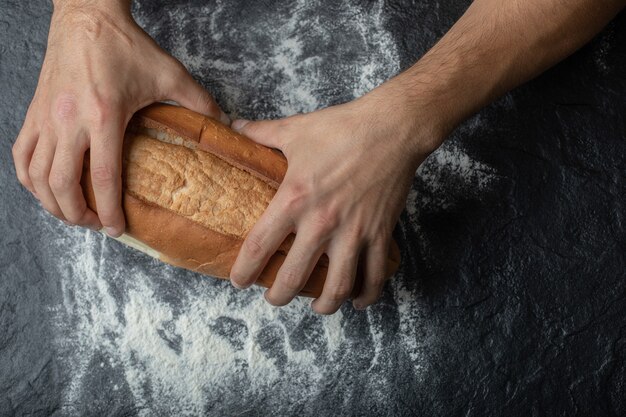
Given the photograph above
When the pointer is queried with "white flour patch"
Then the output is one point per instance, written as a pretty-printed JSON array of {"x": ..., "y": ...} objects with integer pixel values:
[
  {"x": 414, "y": 338},
  {"x": 448, "y": 175},
  {"x": 172, "y": 361},
  {"x": 448, "y": 172},
  {"x": 175, "y": 360}
]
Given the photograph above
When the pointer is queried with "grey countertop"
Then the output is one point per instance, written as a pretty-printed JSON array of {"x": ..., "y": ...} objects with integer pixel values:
[{"x": 510, "y": 300}]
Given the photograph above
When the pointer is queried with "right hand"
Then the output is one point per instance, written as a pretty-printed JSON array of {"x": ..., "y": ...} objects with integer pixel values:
[{"x": 100, "y": 67}]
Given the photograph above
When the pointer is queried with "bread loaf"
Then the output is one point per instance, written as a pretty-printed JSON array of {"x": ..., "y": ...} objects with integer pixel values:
[{"x": 193, "y": 188}]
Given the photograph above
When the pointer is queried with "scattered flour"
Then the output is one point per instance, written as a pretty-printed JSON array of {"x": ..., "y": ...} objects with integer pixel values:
[
  {"x": 180, "y": 354},
  {"x": 173, "y": 359},
  {"x": 298, "y": 62},
  {"x": 136, "y": 332},
  {"x": 446, "y": 168}
]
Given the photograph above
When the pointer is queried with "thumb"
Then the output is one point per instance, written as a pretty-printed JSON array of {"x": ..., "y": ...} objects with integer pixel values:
[
  {"x": 181, "y": 87},
  {"x": 264, "y": 132}
]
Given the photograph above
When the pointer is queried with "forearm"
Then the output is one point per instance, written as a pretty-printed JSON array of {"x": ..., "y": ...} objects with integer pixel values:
[{"x": 495, "y": 46}]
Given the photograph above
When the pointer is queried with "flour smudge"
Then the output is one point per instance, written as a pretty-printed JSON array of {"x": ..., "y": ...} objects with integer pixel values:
[{"x": 178, "y": 343}]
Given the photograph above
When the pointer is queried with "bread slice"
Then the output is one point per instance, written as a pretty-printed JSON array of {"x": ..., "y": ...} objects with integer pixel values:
[{"x": 192, "y": 190}]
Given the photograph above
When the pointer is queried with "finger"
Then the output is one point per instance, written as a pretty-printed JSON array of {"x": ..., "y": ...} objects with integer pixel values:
[
  {"x": 180, "y": 86},
  {"x": 375, "y": 258},
  {"x": 22, "y": 151},
  {"x": 39, "y": 172},
  {"x": 260, "y": 244},
  {"x": 106, "y": 175},
  {"x": 265, "y": 132},
  {"x": 343, "y": 258},
  {"x": 65, "y": 174},
  {"x": 296, "y": 269}
]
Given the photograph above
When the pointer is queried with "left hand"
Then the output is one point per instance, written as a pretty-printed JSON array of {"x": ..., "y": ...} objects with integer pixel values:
[{"x": 350, "y": 167}]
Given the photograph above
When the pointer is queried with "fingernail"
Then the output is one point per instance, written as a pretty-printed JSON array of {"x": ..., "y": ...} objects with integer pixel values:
[
  {"x": 359, "y": 306},
  {"x": 111, "y": 231},
  {"x": 239, "y": 124},
  {"x": 224, "y": 118},
  {"x": 234, "y": 284}
]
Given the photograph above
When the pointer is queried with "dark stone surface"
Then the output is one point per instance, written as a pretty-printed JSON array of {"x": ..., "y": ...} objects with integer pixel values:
[{"x": 511, "y": 299}]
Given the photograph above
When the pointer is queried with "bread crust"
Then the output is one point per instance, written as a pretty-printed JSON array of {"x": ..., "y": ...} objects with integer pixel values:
[
  {"x": 185, "y": 243},
  {"x": 214, "y": 137}
]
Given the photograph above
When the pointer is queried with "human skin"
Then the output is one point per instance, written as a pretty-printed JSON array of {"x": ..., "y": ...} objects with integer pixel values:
[
  {"x": 350, "y": 165},
  {"x": 98, "y": 70}
]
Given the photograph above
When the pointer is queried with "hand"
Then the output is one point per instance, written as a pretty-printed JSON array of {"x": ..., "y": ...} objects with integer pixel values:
[
  {"x": 100, "y": 67},
  {"x": 349, "y": 171}
]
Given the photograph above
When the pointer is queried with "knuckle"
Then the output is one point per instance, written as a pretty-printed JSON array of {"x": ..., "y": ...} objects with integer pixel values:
[
  {"x": 254, "y": 246},
  {"x": 17, "y": 150},
  {"x": 324, "y": 222},
  {"x": 375, "y": 283},
  {"x": 100, "y": 113},
  {"x": 353, "y": 234},
  {"x": 373, "y": 287},
  {"x": 273, "y": 217},
  {"x": 103, "y": 176},
  {"x": 378, "y": 234},
  {"x": 37, "y": 171},
  {"x": 382, "y": 238},
  {"x": 61, "y": 181},
  {"x": 22, "y": 179},
  {"x": 75, "y": 217},
  {"x": 340, "y": 291},
  {"x": 297, "y": 196},
  {"x": 379, "y": 278},
  {"x": 65, "y": 107},
  {"x": 290, "y": 278}
]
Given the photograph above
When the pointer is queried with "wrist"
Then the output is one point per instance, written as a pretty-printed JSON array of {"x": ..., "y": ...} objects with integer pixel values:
[{"x": 418, "y": 124}]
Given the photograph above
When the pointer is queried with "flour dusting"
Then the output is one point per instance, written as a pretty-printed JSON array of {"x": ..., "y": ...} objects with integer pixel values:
[
  {"x": 181, "y": 344},
  {"x": 182, "y": 356},
  {"x": 174, "y": 359},
  {"x": 297, "y": 61}
]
